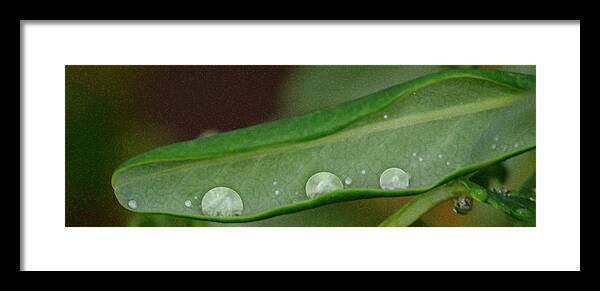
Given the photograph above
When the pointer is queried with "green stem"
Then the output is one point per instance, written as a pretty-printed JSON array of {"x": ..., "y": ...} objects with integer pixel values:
[{"x": 422, "y": 203}]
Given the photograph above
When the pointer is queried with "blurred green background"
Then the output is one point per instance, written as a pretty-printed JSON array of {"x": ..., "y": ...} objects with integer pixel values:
[{"x": 116, "y": 112}]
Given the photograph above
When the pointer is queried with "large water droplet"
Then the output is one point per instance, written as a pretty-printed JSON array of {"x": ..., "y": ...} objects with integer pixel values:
[
  {"x": 222, "y": 201},
  {"x": 394, "y": 178},
  {"x": 462, "y": 205},
  {"x": 323, "y": 182},
  {"x": 132, "y": 204}
]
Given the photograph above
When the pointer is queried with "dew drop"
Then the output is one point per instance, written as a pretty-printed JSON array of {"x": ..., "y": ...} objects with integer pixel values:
[
  {"x": 188, "y": 203},
  {"x": 523, "y": 213},
  {"x": 222, "y": 201},
  {"x": 276, "y": 192},
  {"x": 385, "y": 116},
  {"x": 440, "y": 156},
  {"x": 420, "y": 159},
  {"x": 363, "y": 172},
  {"x": 348, "y": 180},
  {"x": 274, "y": 183},
  {"x": 414, "y": 154},
  {"x": 462, "y": 205},
  {"x": 132, "y": 204},
  {"x": 322, "y": 182},
  {"x": 496, "y": 138},
  {"x": 394, "y": 178},
  {"x": 447, "y": 163},
  {"x": 494, "y": 146},
  {"x": 516, "y": 145}
]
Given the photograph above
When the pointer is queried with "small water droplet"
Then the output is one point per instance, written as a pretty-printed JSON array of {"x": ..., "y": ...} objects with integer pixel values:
[
  {"x": 276, "y": 192},
  {"x": 447, "y": 163},
  {"x": 516, "y": 145},
  {"x": 496, "y": 138},
  {"x": 394, "y": 178},
  {"x": 274, "y": 183},
  {"x": 494, "y": 146},
  {"x": 385, "y": 116},
  {"x": 462, "y": 205},
  {"x": 523, "y": 213},
  {"x": 414, "y": 154},
  {"x": 195, "y": 197},
  {"x": 440, "y": 156},
  {"x": 322, "y": 182},
  {"x": 132, "y": 204},
  {"x": 222, "y": 201},
  {"x": 188, "y": 203},
  {"x": 348, "y": 180},
  {"x": 363, "y": 172},
  {"x": 420, "y": 159}
]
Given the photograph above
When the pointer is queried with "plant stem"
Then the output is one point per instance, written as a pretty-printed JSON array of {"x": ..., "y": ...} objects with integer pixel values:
[{"x": 423, "y": 203}]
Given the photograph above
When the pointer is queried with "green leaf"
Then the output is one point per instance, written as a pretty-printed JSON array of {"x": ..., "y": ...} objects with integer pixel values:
[
  {"x": 421, "y": 204},
  {"x": 436, "y": 127},
  {"x": 519, "y": 205}
]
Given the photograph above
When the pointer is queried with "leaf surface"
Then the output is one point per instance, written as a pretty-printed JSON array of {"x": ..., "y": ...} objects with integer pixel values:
[{"x": 436, "y": 127}]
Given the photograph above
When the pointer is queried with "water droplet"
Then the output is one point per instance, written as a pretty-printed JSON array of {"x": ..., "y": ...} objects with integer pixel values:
[
  {"x": 276, "y": 192},
  {"x": 222, "y": 201},
  {"x": 523, "y": 213},
  {"x": 494, "y": 146},
  {"x": 496, "y": 138},
  {"x": 322, "y": 182},
  {"x": 462, "y": 205},
  {"x": 385, "y": 116},
  {"x": 274, "y": 183},
  {"x": 414, "y": 154},
  {"x": 363, "y": 172},
  {"x": 447, "y": 163},
  {"x": 420, "y": 159},
  {"x": 195, "y": 197},
  {"x": 132, "y": 204},
  {"x": 188, "y": 203},
  {"x": 516, "y": 145},
  {"x": 348, "y": 180},
  {"x": 394, "y": 178},
  {"x": 440, "y": 156}
]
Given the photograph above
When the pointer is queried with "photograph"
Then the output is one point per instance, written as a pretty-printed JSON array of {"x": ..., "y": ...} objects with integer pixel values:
[
  {"x": 300, "y": 145},
  {"x": 244, "y": 145}
]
